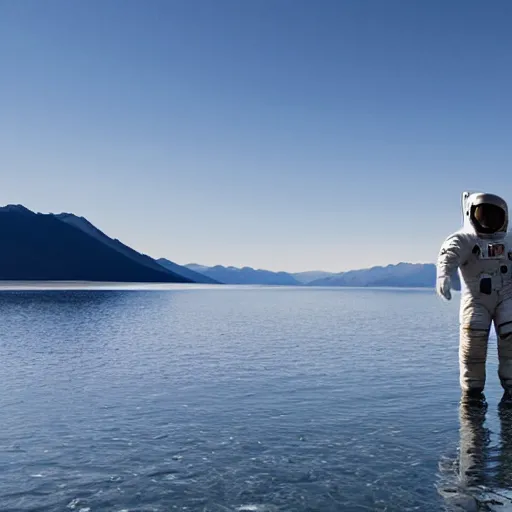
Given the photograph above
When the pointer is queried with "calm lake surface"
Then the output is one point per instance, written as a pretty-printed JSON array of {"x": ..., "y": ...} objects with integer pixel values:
[{"x": 240, "y": 399}]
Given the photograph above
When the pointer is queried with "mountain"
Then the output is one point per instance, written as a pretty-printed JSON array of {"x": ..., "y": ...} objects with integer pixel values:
[
  {"x": 143, "y": 259},
  {"x": 38, "y": 246},
  {"x": 245, "y": 275},
  {"x": 15, "y": 208},
  {"x": 186, "y": 272},
  {"x": 404, "y": 275},
  {"x": 84, "y": 225},
  {"x": 312, "y": 275},
  {"x": 410, "y": 275}
]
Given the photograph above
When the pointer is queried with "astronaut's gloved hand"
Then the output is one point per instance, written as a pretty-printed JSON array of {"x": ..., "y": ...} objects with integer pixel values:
[{"x": 444, "y": 285}]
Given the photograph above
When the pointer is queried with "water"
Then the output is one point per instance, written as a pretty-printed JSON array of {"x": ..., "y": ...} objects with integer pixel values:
[{"x": 239, "y": 398}]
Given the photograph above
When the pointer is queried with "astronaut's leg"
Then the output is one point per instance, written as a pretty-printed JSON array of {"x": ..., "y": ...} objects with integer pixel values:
[
  {"x": 475, "y": 323},
  {"x": 503, "y": 326}
]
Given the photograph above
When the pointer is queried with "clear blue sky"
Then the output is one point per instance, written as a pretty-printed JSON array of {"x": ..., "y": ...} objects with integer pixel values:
[{"x": 280, "y": 134}]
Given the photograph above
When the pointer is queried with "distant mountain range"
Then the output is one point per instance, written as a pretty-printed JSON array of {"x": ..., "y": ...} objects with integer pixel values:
[
  {"x": 56, "y": 247},
  {"x": 409, "y": 275},
  {"x": 245, "y": 275}
]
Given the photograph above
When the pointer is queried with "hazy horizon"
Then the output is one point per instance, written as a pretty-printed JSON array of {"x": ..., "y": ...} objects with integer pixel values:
[{"x": 290, "y": 135}]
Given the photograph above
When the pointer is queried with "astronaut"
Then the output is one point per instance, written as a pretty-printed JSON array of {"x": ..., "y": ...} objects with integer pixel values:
[{"x": 482, "y": 253}]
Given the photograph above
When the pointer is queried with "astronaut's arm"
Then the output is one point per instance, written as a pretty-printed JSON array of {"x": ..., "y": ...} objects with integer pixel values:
[{"x": 453, "y": 252}]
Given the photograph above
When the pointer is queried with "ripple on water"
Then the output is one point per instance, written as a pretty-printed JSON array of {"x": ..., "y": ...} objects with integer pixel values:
[{"x": 227, "y": 400}]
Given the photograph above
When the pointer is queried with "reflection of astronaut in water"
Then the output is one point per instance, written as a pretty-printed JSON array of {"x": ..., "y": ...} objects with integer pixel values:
[
  {"x": 483, "y": 471},
  {"x": 474, "y": 445},
  {"x": 504, "y": 457}
]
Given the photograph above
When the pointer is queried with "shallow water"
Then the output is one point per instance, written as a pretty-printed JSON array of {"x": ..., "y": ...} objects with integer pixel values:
[{"x": 239, "y": 398}]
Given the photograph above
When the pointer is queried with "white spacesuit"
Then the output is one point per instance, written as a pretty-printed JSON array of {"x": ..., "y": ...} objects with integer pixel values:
[{"x": 482, "y": 251}]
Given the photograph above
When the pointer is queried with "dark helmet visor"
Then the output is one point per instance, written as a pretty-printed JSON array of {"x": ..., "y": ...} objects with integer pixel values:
[{"x": 489, "y": 217}]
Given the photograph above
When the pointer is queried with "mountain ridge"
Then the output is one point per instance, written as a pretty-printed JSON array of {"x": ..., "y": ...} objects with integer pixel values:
[
  {"x": 38, "y": 246},
  {"x": 398, "y": 275},
  {"x": 87, "y": 227},
  {"x": 244, "y": 275},
  {"x": 160, "y": 265}
]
